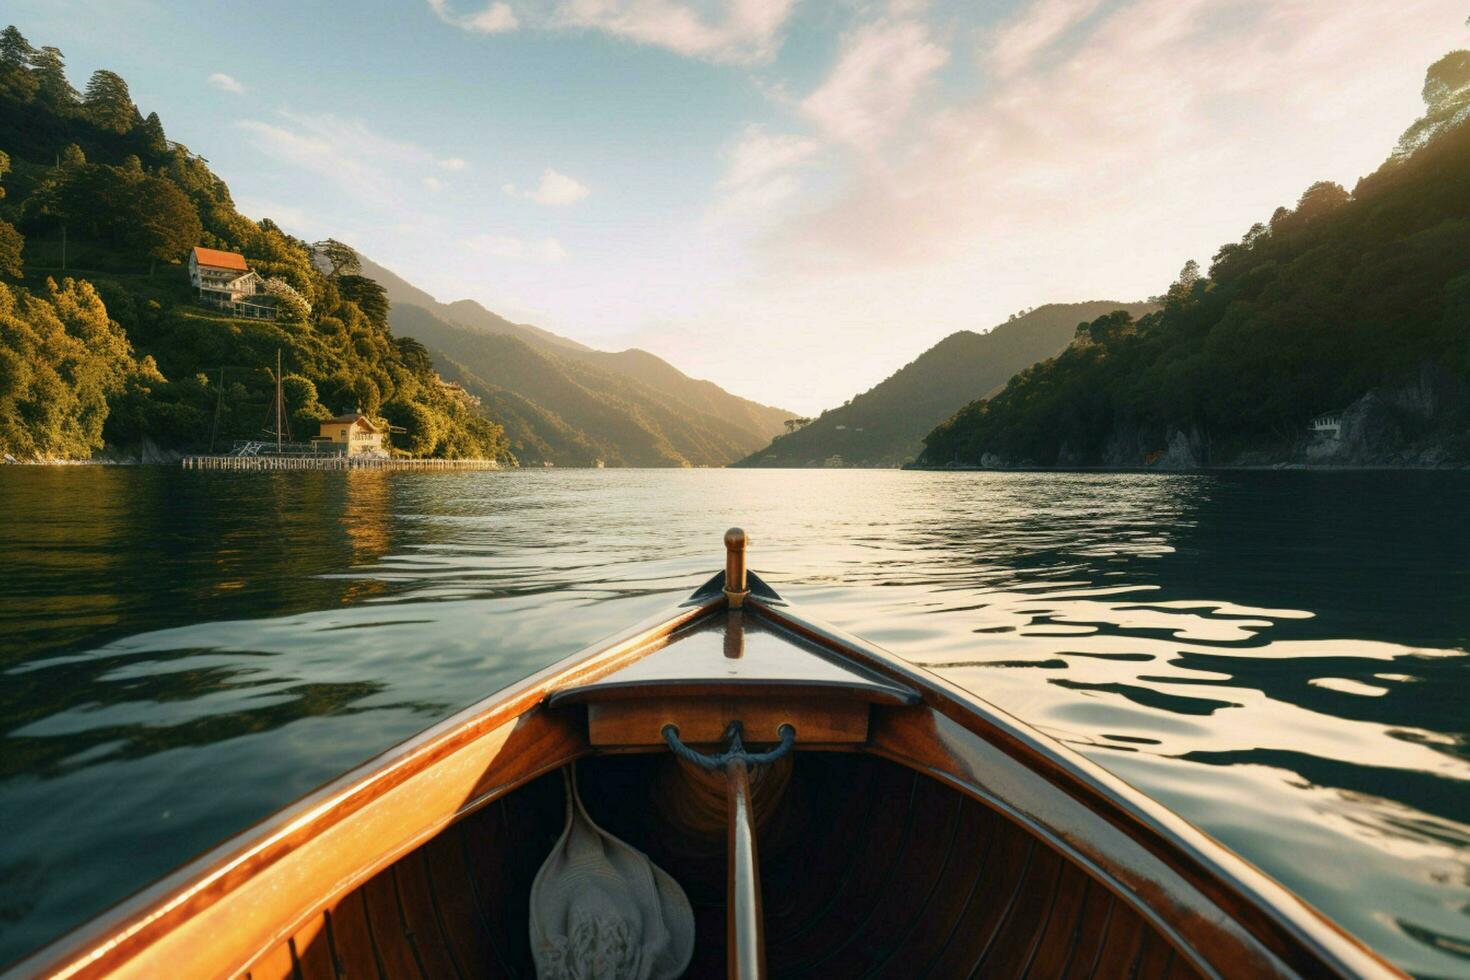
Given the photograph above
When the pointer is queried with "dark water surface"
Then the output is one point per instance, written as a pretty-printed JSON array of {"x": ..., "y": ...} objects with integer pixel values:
[{"x": 1281, "y": 657}]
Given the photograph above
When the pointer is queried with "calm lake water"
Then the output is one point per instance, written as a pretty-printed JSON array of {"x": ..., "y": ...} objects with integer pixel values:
[{"x": 1281, "y": 657}]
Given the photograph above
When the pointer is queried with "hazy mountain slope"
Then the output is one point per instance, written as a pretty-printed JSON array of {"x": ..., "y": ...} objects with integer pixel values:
[
  {"x": 558, "y": 408},
  {"x": 566, "y": 403},
  {"x": 705, "y": 396},
  {"x": 465, "y": 311},
  {"x": 886, "y": 425}
]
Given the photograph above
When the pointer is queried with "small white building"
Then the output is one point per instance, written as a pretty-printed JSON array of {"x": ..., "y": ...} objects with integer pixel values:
[
  {"x": 223, "y": 281},
  {"x": 1328, "y": 424}
]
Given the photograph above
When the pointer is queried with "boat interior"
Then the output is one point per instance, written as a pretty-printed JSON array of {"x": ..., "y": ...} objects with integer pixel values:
[{"x": 867, "y": 868}]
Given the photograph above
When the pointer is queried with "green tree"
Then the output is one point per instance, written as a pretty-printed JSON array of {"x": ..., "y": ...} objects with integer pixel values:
[
  {"x": 61, "y": 359},
  {"x": 48, "y": 67},
  {"x": 369, "y": 296},
  {"x": 108, "y": 104},
  {"x": 12, "y": 242},
  {"x": 1446, "y": 97},
  {"x": 341, "y": 258},
  {"x": 153, "y": 135},
  {"x": 165, "y": 224},
  {"x": 16, "y": 81}
]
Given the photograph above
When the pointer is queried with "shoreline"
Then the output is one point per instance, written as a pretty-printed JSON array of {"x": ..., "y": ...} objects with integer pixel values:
[{"x": 1255, "y": 468}]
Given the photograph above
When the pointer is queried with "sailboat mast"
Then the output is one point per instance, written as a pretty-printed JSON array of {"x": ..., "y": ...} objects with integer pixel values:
[{"x": 279, "y": 403}]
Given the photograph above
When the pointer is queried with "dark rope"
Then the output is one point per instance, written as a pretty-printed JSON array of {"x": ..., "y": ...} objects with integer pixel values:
[{"x": 715, "y": 763}]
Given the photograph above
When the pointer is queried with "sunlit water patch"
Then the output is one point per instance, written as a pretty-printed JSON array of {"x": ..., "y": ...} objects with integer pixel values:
[{"x": 1281, "y": 657}]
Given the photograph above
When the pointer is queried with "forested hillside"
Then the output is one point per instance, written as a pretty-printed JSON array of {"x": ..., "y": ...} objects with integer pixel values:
[
  {"x": 886, "y": 425},
  {"x": 101, "y": 340},
  {"x": 565, "y": 403},
  {"x": 1350, "y": 303}
]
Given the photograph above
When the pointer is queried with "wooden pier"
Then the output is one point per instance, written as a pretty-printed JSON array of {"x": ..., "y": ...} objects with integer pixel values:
[{"x": 332, "y": 461}]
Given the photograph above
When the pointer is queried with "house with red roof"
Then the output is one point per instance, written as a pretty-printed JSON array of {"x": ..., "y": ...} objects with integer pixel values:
[{"x": 223, "y": 281}]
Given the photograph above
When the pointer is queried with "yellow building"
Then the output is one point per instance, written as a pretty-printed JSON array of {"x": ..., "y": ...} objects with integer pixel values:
[{"x": 353, "y": 431}]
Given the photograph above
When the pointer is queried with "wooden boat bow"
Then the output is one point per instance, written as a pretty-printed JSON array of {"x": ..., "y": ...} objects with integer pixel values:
[{"x": 914, "y": 828}]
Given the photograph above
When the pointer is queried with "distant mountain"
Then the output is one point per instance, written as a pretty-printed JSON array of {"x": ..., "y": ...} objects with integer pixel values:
[
  {"x": 886, "y": 425},
  {"x": 565, "y": 403}
]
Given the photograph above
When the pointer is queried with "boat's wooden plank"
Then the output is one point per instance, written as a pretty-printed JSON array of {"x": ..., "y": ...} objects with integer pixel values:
[
  {"x": 351, "y": 941},
  {"x": 454, "y": 905},
  {"x": 275, "y": 965},
  {"x": 1154, "y": 961},
  {"x": 1016, "y": 942},
  {"x": 310, "y": 948},
  {"x": 989, "y": 902},
  {"x": 423, "y": 926},
  {"x": 1063, "y": 927},
  {"x": 887, "y": 921},
  {"x": 704, "y": 720},
  {"x": 827, "y": 926},
  {"x": 833, "y": 838},
  {"x": 1121, "y": 944},
  {"x": 390, "y": 932},
  {"x": 1098, "y": 906},
  {"x": 935, "y": 921}
]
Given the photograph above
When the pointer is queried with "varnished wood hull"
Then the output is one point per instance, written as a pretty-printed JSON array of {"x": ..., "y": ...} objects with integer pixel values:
[{"x": 939, "y": 837}]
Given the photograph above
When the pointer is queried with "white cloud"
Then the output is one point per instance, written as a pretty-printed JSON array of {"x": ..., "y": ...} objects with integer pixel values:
[
  {"x": 758, "y": 154},
  {"x": 1033, "y": 30},
  {"x": 761, "y": 175},
  {"x": 350, "y": 154},
  {"x": 453, "y": 163},
  {"x": 749, "y": 30},
  {"x": 554, "y": 190},
  {"x": 516, "y": 249},
  {"x": 731, "y": 31},
  {"x": 881, "y": 69},
  {"x": 496, "y": 18},
  {"x": 434, "y": 184},
  {"x": 222, "y": 81}
]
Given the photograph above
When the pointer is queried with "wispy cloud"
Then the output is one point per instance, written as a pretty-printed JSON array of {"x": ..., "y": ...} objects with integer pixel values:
[
  {"x": 1033, "y": 30},
  {"x": 761, "y": 176},
  {"x": 1156, "y": 103},
  {"x": 453, "y": 163},
  {"x": 733, "y": 31},
  {"x": 748, "y": 30},
  {"x": 881, "y": 69},
  {"x": 222, "y": 81},
  {"x": 554, "y": 190},
  {"x": 516, "y": 249},
  {"x": 496, "y": 18},
  {"x": 355, "y": 157}
]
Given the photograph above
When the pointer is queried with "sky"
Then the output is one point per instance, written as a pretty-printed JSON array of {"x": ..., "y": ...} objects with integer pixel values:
[{"x": 792, "y": 198}]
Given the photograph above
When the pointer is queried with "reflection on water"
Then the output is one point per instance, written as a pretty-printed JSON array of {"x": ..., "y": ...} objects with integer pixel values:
[{"x": 1281, "y": 657}]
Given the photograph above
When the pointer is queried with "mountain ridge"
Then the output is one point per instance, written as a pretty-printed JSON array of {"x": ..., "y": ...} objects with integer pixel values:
[
  {"x": 885, "y": 425},
  {"x": 569, "y": 404}
]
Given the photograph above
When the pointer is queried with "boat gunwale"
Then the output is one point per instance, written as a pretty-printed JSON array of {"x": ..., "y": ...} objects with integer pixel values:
[
  {"x": 126, "y": 928},
  {"x": 1216, "y": 870}
]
